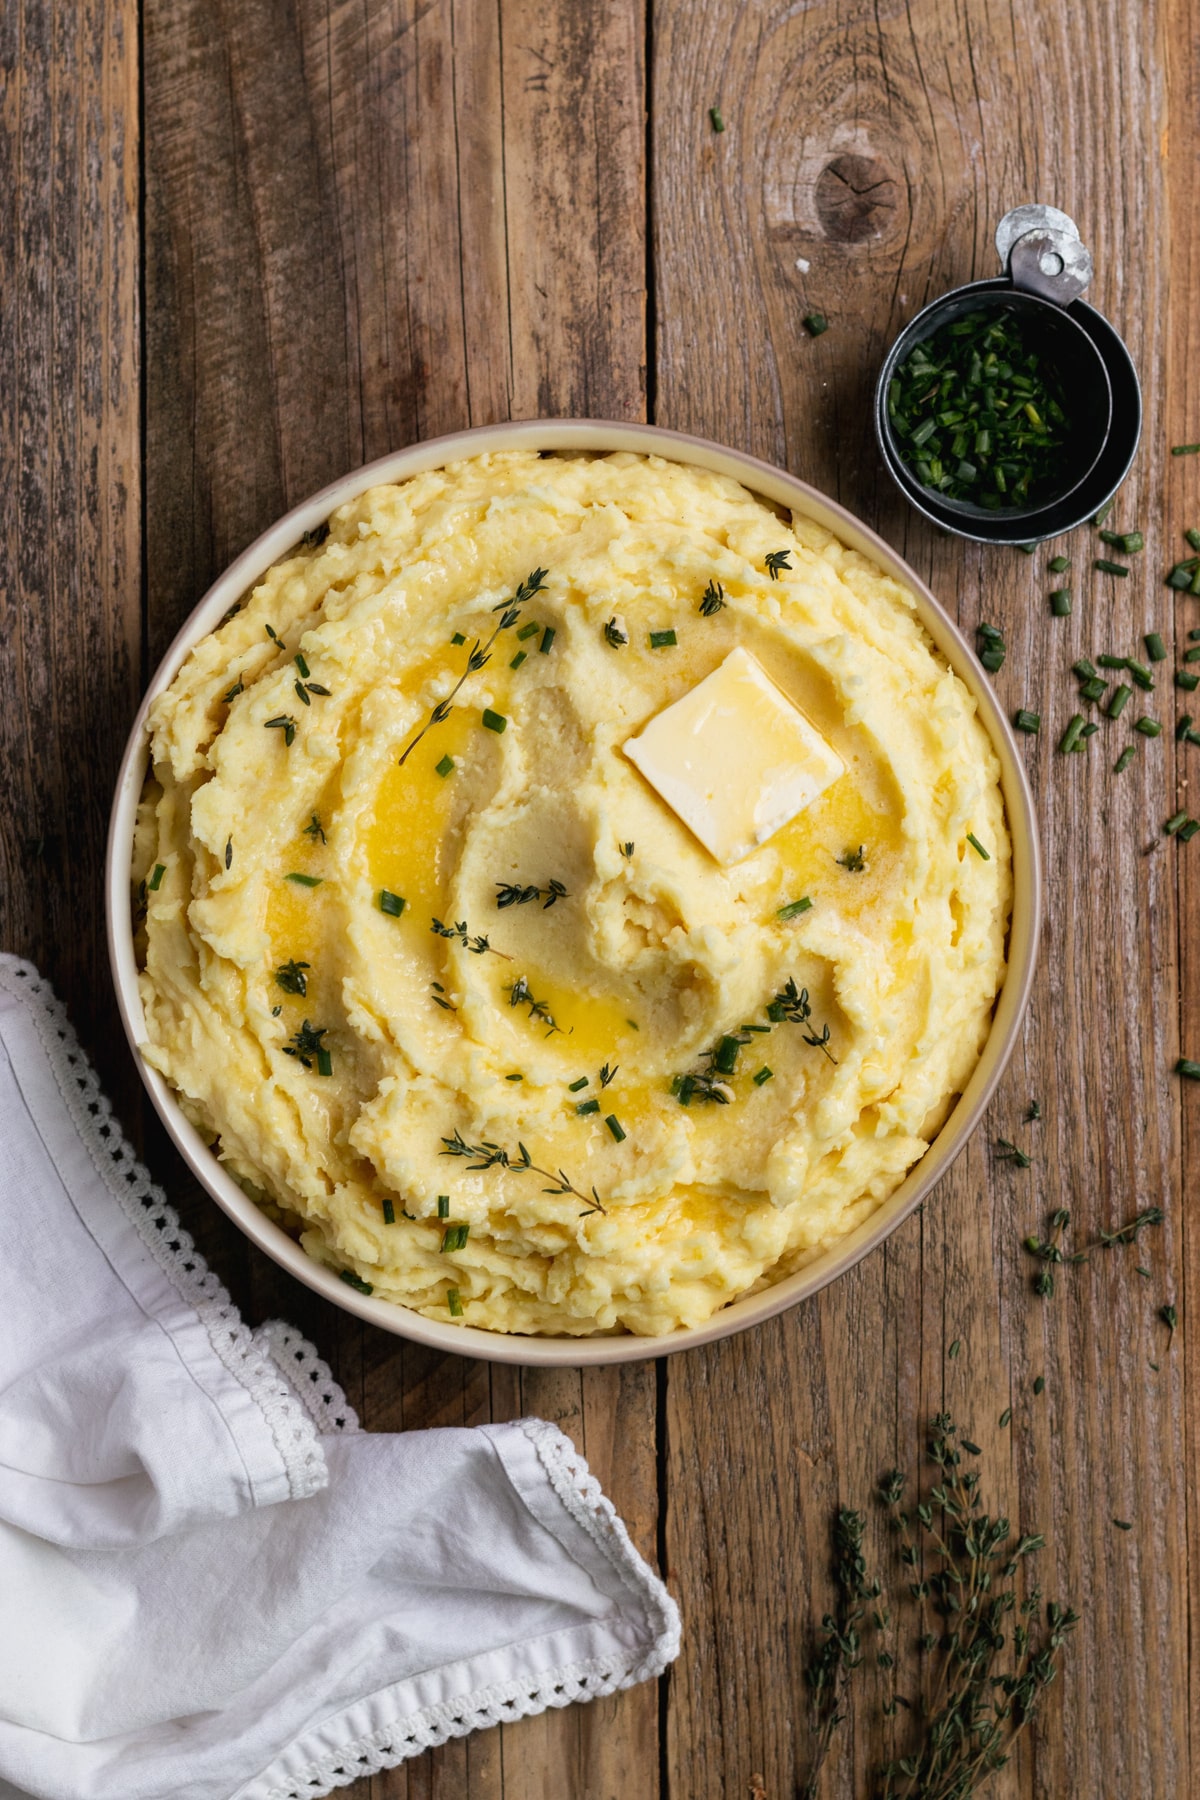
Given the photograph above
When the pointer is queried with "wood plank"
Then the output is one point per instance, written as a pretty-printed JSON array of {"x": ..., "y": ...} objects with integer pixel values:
[
  {"x": 879, "y": 147},
  {"x": 70, "y": 557},
  {"x": 367, "y": 226}
]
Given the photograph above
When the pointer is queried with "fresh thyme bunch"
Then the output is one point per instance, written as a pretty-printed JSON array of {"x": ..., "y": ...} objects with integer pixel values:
[
  {"x": 974, "y": 1709},
  {"x": 828, "y": 1674}
]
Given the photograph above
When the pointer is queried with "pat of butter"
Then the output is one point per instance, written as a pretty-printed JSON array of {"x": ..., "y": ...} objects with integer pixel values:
[{"x": 734, "y": 758}]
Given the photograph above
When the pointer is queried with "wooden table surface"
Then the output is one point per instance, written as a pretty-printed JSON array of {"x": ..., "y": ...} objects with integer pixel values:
[{"x": 244, "y": 248}]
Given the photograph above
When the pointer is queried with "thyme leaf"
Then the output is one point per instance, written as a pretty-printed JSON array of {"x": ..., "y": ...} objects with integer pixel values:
[
  {"x": 791, "y": 1006},
  {"x": 291, "y": 977},
  {"x": 776, "y": 560}
]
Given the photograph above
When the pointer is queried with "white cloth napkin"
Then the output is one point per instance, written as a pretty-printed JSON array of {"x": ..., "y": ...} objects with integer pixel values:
[{"x": 213, "y": 1585}]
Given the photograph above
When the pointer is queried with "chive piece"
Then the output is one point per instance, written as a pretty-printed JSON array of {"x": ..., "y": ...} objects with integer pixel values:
[
  {"x": 517, "y": 660},
  {"x": 815, "y": 323},
  {"x": 1193, "y": 538},
  {"x": 454, "y": 1237},
  {"x": 1174, "y": 823},
  {"x": 1103, "y": 513},
  {"x": 1060, "y": 603},
  {"x": 662, "y": 640},
  {"x": 585, "y": 1108},
  {"x": 1005, "y": 1417},
  {"x": 1140, "y": 673},
  {"x": 528, "y": 631},
  {"x": 458, "y": 638},
  {"x": 762, "y": 1075},
  {"x": 1183, "y": 727},
  {"x": 1192, "y": 655},
  {"x": 715, "y": 119},
  {"x": 1156, "y": 650},
  {"x": 493, "y": 721},
  {"x": 1070, "y": 736},
  {"x": 1027, "y": 549},
  {"x": 389, "y": 903},
  {"x": 389, "y": 1213},
  {"x": 1180, "y": 576},
  {"x": 1094, "y": 689},
  {"x": 443, "y": 1206},
  {"x": 1148, "y": 727},
  {"x": 1185, "y": 449},
  {"x": 1192, "y": 736},
  {"x": 725, "y": 1056},
  {"x": 1189, "y": 831},
  {"x": 1105, "y": 567},
  {"x": 1039, "y": 1386},
  {"x": 1129, "y": 542},
  {"x": 1123, "y": 1524},
  {"x": 1058, "y": 564},
  {"x": 356, "y": 1281},
  {"x": 1193, "y": 636},
  {"x": 444, "y": 767},
  {"x": 155, "y": 881},
  {"x": 1113, "y": 662},
  {"x": 614, "y": 1125},
  {"x": 1123, "y": 761},
  {"x": 575, "y": 1086},
  {"x": 978, "y": 847},
  {"x": 1089, "y": 730},
  {"x": 547, "y": 639},
  {"x": 954, "y": 1349},
  {"x": 454, "y": 1303},
  {"x": 1194, "y": 583},
  {"x": 1121, "y": 698},
  {"x": 794, "y": 908},
  {"x": 308, "y": 881},
  {"x": 1185, "y": 1066},
  {"x": 1187, "y": 678},
  {"x": 324, "y": 1063},
  {"x": 1024, "y": 720},
  {"x": 1083, "y": 668}
]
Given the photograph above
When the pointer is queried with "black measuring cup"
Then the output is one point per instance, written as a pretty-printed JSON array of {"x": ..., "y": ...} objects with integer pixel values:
[{"x": 1048, "y": 268}]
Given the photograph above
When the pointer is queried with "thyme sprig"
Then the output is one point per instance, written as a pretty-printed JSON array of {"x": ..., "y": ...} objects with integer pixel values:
[
  {"x": 854, "y": 861},
  {"x": 791, "y": 1006},
  {"x": 519, "y": 994},
  {"x": 487, "y": 1155},
  {"x": 478, "y": 946},
  {"x": 308, "y": 1046},
  {"x": 776, "y": 560},
  {"x": 480, "y": 653},
  {"x": 314, "y": 829},
  {"x": 713, "y": 599},
  {"x": 1050, "y": 1253},
  {"x": 512, "y": 893},
  {"x": 615, "y": 632},
  {"x": 291, "y": 977},
  {"x": 828, "y": 1673},
  {"x": 283, "y": 722}
]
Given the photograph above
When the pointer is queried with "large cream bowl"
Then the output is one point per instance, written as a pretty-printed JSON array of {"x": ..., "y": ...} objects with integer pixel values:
[{"x": 775, "y": 486}]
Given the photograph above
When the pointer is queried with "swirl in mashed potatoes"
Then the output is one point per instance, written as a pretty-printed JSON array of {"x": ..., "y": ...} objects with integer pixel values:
[{"x": 677, "y": 1084}]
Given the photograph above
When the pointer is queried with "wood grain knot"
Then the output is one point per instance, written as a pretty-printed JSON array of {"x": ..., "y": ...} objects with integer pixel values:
[{"x": 855, "y": 197}]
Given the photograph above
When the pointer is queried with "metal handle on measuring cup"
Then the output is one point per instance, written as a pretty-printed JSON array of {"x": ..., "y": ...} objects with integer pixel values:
[{"x": 1041, "y": 252}]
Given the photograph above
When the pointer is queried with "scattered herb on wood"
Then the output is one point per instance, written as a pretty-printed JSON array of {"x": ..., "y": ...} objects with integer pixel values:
[
  {"x": 828, "y": 1672},
  {"x": 990, "y": 647},
  {"x": 815, "y": 323}
]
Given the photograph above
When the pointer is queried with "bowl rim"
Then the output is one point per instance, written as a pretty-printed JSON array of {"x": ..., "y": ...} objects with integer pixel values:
[{"x": 775, "y": 484}]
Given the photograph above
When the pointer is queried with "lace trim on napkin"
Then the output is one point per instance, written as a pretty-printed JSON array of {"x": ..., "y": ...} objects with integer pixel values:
[
  {"x": 292, "y": 1388},
  {"x": 581, "y": 1497}
]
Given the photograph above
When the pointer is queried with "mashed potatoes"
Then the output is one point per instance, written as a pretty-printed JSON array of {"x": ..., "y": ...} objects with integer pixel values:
[{"x": 461, "y": 999}]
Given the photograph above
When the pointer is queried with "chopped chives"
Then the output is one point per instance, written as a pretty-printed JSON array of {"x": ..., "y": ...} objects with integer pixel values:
[
  {"x": 444, "y": 767},
  {"x": 614, "y": 1125},
  {"x": 662, "y": 640},
  {"x": 1005, "y": 1417},
  {"x": 715, "y": 118},
  {"x": 1183, "y": 727},
  {"x": 1039, "y": 1386},
  {"x": 1185, "y": 1066},
  {"x": 547, "y": 639},
  {"x": 1174, "y": 823},
  {"x": 493, "y": 721},
  {"x": 528, "y": 631},
  {"x": 574, "y": 1086},
  {"x": 1185, "y": 449},
  {"x": 1094, "y": 689},
  {"x": 585, "y": 1108},
  {"x": 458, "y": 638},
  {"x": 1156, "y": 650},
  {"x": 1193, "y": 538},
  {"x": 1113, "y": 662},
  {"x": 794, "y": 908},
  {"x": 1089, "y": 730},
  {"x": 1140, "y": 673},
  {"x": 155, "y": 881},
  {"x": 1058, "y": 564},
  {"x": 1130, "y": 542},
  {"x": 1148, "y": 727},
  {"x": 1126, "y": 757},
  {"x": 1185, "y": 678},
  {"x": 454, "y": 1303},
  {"x": 1192, "y": 655},
  {"x": 1083, "y": 668},
  {"x": 978, "y": 847},
  {"x": 1103, "y": 513},
  {"x": 1189, "y": 831},
  {"x": 815, "y": 323},
  {"x": 1060, "y": 603},
  {"x": 1121, "y": 698},
  {"x": 356, "y": 1281},
  {"x": 1180, "y": 575},
  {"x": 1105, "y": 567},
  {"x": 1193, "y": 636},
  {"x": 1024, "y": 720},
  {"x": 454, "y": 1237},
  {"x": 324, "y": 1063},
  {"x": 514, "y": 1078},
  {"x": 309, "y": 881},
  {"x": 392, "y": 904},
  {"x": 762, "y": 1075},
  {"x": 517, "y": 660},
  {"x": 1070, "y": 737},
  {"x": 725, "y": 1057},
  {"x": 443, "y": 1206},
  {"x": 1191, "y": 736},
  {"x": 389, "y": 1213}
]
